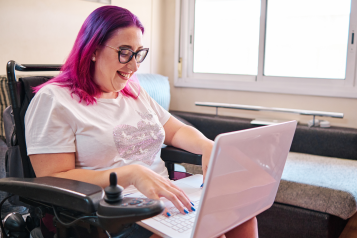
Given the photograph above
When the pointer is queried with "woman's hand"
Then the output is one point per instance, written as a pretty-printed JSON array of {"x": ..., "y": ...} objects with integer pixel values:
[
  {"x": 154, "y": 186},
  {"x": 207, "y": 146},
  {"x": 188, "y": 138}
]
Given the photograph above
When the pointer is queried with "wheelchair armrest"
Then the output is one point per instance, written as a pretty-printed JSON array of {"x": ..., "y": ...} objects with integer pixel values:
[
  {"x": 85, "y": 198},
  {"x": 75, "y": 195},
  {"x": 172, "y": 154}
]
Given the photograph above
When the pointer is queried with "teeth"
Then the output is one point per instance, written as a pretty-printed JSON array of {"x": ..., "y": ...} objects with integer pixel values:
[{"x": 124, "y": 75}]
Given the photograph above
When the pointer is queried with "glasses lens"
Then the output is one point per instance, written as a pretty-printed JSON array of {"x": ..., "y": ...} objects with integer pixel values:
[
  {"x": 140, "y": 56},
  {"x": 125, "y": 56}
]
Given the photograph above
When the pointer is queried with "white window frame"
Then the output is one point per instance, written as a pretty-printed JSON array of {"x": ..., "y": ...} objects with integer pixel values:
[{"x": 184, "y": 76}]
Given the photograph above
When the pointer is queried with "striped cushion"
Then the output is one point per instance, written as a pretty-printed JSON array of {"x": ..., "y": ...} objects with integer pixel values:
[
  {"x": 4, "y": 102},
  {"x": 158, "y": 88}
]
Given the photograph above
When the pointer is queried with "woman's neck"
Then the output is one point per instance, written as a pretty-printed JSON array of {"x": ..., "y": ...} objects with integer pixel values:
[{"x": 110, "y": 95}]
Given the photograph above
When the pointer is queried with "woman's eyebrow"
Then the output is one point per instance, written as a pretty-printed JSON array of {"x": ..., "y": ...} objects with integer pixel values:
[{"x": 128, "y": 46}]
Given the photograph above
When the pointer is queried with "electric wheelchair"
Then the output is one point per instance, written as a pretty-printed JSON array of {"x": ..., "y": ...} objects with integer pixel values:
[{"x": 79, "y": 209}]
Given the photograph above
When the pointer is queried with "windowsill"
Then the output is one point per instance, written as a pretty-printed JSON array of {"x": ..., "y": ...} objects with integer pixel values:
[{"x": 329, "y": 90}]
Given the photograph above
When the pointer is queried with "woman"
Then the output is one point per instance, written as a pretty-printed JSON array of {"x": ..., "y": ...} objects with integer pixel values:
[{"x": 94, "y": 119}]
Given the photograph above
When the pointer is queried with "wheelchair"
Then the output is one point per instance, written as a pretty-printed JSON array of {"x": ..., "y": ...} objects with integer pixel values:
[{"x": 79, "y": 209}]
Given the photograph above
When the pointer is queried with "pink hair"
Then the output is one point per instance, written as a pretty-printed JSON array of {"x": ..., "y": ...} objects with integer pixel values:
[{"x": 78, "y": 70}]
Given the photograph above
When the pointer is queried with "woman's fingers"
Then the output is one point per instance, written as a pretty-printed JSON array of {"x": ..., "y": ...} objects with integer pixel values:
[
  {"x": 166, "y": 213},
  {"x": 165, "y": 188},
  {"x": 206, "y": 155},
  {"x": 204, "y": 166},
  {"x": 174, "y": 198},
  {"x": 155, "y": 186},
  {"x": 204, "y": 171},
  {"x": 178, "y": 197},
  {"x": 184, "y": 198},
  {"x": 155, "y": 196}
]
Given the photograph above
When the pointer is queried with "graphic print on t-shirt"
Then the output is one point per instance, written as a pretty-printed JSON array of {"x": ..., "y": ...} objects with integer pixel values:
[{"x": 139, "y": 143}]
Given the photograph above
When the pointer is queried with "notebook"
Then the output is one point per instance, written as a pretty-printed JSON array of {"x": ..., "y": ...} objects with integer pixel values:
[{"x": 242, "y": 181}]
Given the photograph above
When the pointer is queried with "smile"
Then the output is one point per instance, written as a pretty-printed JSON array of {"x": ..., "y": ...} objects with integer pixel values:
[{"x": 124, "y": 75}]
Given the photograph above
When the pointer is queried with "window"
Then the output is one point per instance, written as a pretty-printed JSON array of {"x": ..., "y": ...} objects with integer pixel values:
[
  {"x": 210, "y": 52},
  {"x": 308, "y": 41},
  {"x": 281, "y": 46}
]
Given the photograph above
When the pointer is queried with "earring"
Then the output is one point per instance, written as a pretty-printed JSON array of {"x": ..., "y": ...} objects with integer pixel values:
[{"x": 93, "y": 58}]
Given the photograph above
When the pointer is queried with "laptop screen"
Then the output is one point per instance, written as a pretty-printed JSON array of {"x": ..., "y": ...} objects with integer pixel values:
[{"x": 243, "y": 177}]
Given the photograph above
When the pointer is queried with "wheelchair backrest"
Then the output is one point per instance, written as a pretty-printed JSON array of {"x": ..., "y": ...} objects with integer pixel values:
[{"x": 21, "y": 94}]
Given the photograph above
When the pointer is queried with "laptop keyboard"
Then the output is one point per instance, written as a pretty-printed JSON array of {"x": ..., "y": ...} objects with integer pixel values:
[{"x": 178, "y": 221}]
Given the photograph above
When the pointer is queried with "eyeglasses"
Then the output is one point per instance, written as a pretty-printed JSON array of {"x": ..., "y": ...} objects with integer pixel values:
[{"x": 125, "y": 54}]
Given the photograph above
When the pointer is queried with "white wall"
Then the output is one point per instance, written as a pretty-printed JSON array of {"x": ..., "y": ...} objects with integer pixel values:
[{"x": 43, "y": 31}]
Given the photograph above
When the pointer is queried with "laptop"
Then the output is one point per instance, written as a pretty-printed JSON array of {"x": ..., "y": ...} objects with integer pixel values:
[{"x": 242, "y": 181}]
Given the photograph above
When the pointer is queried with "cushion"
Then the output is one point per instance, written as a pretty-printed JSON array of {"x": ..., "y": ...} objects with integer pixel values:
[
  {"x": 158, "y": 87},
  {"x": 319, "y": 183},
  {"x": 4, "y": 103}
]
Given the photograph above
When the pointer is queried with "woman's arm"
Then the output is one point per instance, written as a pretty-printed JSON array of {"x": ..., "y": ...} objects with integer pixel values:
[
  {"x": 188, "y": 138},
  {"x": 148, "y": 182},
  {"x": 62, "y": 165}
]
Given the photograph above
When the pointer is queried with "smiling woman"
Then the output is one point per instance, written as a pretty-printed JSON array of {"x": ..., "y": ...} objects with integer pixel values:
[
  {"x": 94, "y": 119},
  {"x": 103, "y": 26},
  {"x": 110, "y": 72}
]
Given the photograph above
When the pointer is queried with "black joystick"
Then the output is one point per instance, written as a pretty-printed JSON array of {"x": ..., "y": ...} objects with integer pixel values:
[
  {"x": 113, "y": 191},
  {"x": 115, "y": 211}
]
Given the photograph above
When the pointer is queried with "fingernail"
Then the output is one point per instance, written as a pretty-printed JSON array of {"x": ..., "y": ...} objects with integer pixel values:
[
  {"x": 168, "y": 214},
  {"x": 201, "y": 185},
  {"x": 192, "y": 204},
  {"x": 185, "y": 210},
  {"x": 193, "y": 209}
]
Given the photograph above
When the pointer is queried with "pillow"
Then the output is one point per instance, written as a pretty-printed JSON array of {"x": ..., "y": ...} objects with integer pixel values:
[{"x": 158, "y": 87}]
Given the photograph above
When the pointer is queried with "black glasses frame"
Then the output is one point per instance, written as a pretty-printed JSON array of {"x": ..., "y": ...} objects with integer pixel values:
[{"x": 133, "y": 53}]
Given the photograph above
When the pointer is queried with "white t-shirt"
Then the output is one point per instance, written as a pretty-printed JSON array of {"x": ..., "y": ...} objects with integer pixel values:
[{"x": 109, "y": 134}]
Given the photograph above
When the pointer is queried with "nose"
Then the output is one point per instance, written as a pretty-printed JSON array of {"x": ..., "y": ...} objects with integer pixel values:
[{"x": 132, "y": 65}]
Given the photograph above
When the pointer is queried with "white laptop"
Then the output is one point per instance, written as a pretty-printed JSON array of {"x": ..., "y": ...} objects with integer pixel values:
[{"x": 242, "y": 181}]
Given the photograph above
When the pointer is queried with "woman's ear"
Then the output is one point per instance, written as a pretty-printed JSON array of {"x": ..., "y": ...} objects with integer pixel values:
[{"x": 93, "y": 55}]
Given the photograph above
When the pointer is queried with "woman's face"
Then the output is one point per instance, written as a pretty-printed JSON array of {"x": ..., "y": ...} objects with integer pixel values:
[{"x": 109, "y": 73}]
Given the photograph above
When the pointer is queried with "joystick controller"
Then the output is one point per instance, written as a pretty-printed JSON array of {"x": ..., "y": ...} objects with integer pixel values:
[
  {"x": 113, "y": 191},
  {"x": 115, "y": 209}
]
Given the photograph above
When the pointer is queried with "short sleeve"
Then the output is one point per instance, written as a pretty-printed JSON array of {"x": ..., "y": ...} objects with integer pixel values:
[
  {"x": 161, "y": 113},
  {"x": 47, "y": 126}
]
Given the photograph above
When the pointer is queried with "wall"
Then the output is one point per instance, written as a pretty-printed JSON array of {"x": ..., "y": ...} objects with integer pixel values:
[
  {"x": 43, "y": 31},
  {"x": 183, "y": 99}
]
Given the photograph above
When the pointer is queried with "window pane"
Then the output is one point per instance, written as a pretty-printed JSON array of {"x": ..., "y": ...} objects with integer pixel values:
[
  {"x": 307, "y": 38},
  {"x": 226, "y": 36}
]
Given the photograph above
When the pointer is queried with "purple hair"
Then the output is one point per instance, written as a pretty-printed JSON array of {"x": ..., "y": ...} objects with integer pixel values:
[{"x": 78, "y": 70}]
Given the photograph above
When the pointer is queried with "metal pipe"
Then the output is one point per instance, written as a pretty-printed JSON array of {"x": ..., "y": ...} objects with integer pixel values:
[{"x": 270, "y": 109}]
